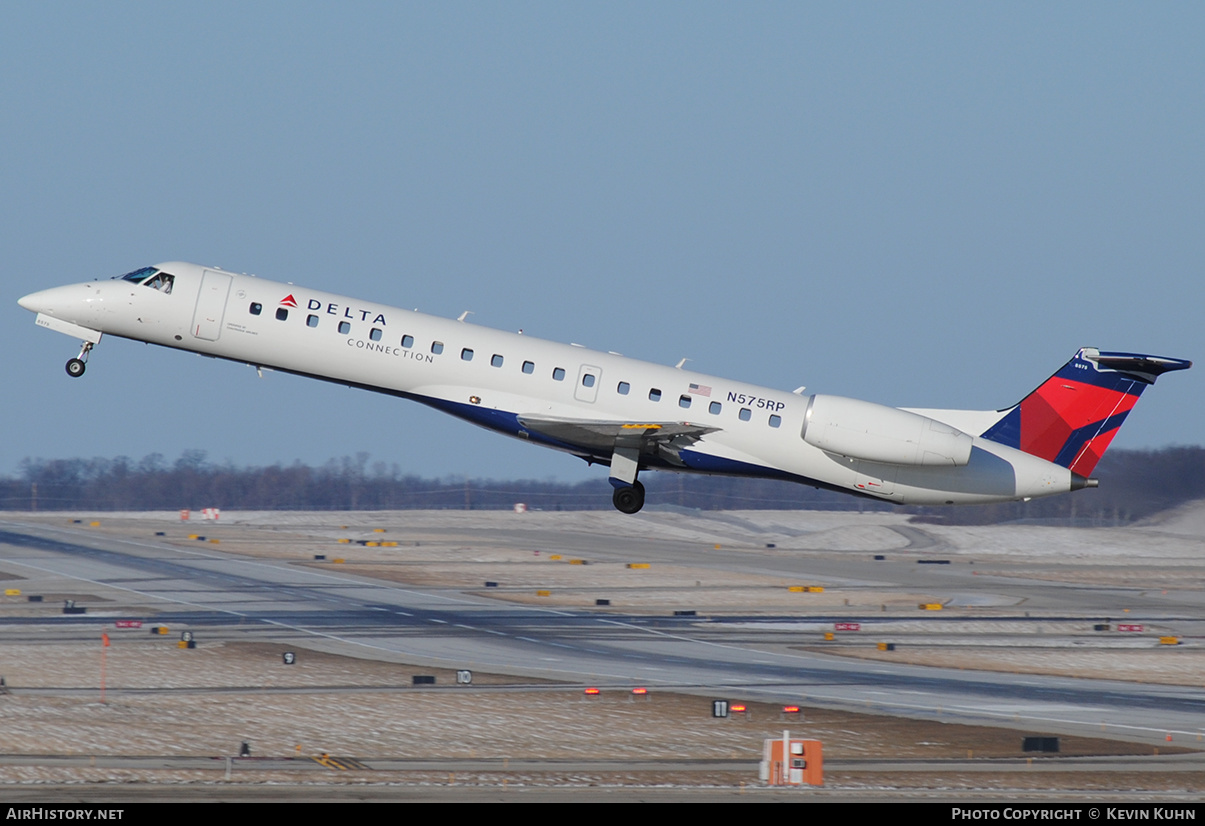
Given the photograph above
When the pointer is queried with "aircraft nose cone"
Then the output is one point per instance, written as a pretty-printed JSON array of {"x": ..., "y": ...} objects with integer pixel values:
[
  {"x": 34, "y": 302},
  {"x": 57, "y": 301}
]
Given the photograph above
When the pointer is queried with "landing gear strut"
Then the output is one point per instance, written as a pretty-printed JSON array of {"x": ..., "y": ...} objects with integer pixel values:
[
  {"x": 625, "y": 464},
  {"x": 629, "y": 499},
  {"x": 76, "y": 366}
]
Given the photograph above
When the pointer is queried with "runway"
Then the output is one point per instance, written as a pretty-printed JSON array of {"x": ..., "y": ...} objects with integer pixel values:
[{"x": 757, "y": 655}]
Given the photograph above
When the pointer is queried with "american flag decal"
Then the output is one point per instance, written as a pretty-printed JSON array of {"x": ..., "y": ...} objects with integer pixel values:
[{"x": 700, "y": 389}]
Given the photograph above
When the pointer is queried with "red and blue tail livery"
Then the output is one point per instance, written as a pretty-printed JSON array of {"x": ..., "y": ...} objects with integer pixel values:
[{"x": 1074, "y": 415}]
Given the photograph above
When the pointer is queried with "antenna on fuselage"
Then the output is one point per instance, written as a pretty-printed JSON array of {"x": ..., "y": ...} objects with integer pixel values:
[
  {"x": 464, "y": 315},
  {"x": 678, "y": 366}
]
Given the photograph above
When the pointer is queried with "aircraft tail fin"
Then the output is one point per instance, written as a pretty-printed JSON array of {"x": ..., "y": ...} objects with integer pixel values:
[{"x": 1073, "y": 416}]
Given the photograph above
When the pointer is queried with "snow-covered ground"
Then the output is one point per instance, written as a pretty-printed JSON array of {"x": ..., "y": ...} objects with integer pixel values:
[{"x": 165, "y": 701}]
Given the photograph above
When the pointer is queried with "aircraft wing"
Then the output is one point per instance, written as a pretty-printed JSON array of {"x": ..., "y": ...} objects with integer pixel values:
[{"x": 606, "y": 436}]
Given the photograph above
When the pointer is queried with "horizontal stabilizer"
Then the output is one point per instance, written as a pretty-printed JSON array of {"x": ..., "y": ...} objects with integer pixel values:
[{"x": 1143, "y": 368}]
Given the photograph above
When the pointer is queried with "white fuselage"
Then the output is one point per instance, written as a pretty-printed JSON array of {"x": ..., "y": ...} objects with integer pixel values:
[{"x": 500, "y": 380}]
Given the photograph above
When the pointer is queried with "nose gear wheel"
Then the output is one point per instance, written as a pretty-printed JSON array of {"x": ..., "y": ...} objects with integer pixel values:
[{"x": 77, "y": 365}]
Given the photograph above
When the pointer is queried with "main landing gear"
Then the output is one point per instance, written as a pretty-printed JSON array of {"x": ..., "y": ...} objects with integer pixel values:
[
  {"x": 628, "y": 499},
  {"x": 629, "y": 494},
  {"x": 77, "y": 365}
]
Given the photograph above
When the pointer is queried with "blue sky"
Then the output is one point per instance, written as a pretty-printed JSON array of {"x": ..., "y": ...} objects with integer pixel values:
[{"x": 922, "y": 204}]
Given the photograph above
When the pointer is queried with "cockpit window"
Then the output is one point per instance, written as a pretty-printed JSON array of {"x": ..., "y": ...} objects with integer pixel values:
[
  {"x": 137, "y": 276},
  {"x": 162, "y": 282},
  {"x": 150, "y": 277}
]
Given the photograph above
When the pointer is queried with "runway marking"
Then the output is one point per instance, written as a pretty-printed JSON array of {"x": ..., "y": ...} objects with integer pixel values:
[
  {"x": 342, "y": 581},
  {"x": 329, "y": 636},
  {"x": 99, "y": 584},
  {"x": 209, "y": 607}
]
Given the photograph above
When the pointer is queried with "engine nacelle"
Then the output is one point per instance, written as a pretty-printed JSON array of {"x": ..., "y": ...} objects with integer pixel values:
[{"x": 877, "y": 433}]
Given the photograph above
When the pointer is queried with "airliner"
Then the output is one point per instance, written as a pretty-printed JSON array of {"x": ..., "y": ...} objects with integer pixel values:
[{"x": 619, "y": 412}]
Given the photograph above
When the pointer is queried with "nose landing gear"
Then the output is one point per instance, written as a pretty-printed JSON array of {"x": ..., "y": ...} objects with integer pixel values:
[{"x": 77, "y": 365}]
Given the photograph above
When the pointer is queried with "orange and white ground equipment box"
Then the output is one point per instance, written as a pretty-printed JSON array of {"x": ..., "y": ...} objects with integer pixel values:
[{"x": 788, "y": 761}]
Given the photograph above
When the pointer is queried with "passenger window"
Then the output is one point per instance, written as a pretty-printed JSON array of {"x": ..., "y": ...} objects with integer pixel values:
[
  {"x": 344, "y": 327},
  {"x": 281, "y": 314},
  {"x": 437, "y": 347},
  {"x": 684, "y": 401},
  {"x": 466, "y": 354},
  {"x": 775, "y": 420},
  {"x": 529, "y": 367},
  {"x": 714, "y": 408},
  {"x": 375, "y": 335},
  {"x": 256, "y": 308},
  {"x": 496, "y": 360},
  {"x": 588, "y": 380},
  {"x": 746, "y": 414},
  {"x": 558, "y": 374},
  {"x": 654, "y": 395},
  {"x": 311, "y": 321},
  {"x": 407, "y": 341},
  {"x": 623, "y": 388}
]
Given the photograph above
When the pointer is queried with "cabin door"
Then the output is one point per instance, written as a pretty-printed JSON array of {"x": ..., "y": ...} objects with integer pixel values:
[{"x": 211, "y": 305}]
